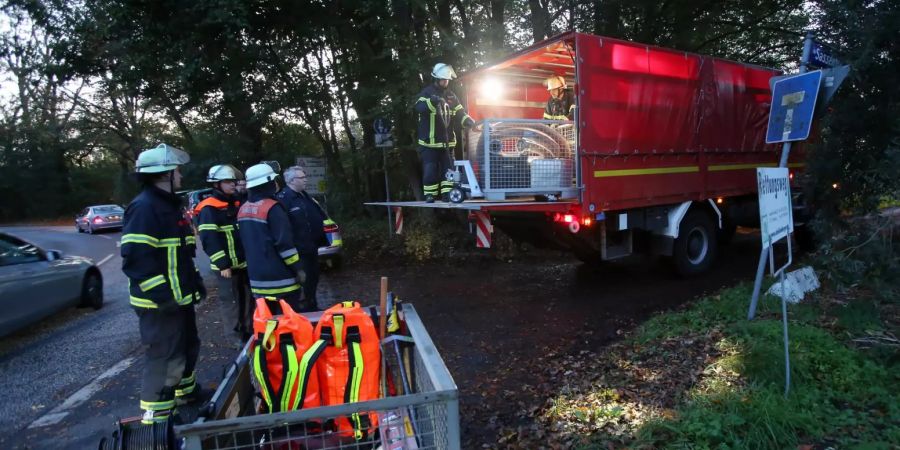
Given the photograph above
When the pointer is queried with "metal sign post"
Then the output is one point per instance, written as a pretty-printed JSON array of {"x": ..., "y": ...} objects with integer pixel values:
[{"x": 384, "y": 141}]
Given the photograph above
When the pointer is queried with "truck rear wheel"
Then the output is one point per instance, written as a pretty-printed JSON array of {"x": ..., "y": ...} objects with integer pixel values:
[{"x": 696, "y": 245}]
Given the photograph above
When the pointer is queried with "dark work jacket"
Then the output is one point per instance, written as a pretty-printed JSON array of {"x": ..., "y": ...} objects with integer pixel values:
[
  {"x": 307, "y": 220},
  {"x": 157, "y": 251},
  {"x": 219, "y": 232},
  {"x": 562, "y": 108},
  {"x": 272, "y": 258},
  {"x": 430, "y": 130}
]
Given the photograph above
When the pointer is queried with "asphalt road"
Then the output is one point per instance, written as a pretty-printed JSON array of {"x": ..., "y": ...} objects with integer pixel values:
[{"x": 69, "y": 378}]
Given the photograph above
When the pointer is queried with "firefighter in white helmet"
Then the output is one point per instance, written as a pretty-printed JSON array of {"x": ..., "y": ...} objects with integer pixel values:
[
  {"x": 440, "y": 115},
  {"x": 219, "y": 234},
  {"x": 561, "y": 105},
  {"x": 273, "y": 261},
  {"x": 157, "y": 257}
]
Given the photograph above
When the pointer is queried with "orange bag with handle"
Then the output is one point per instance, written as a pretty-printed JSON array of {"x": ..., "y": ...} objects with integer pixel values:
[
  {"x": 283, "y": 356},
  {"x": 350, "y": 366}
]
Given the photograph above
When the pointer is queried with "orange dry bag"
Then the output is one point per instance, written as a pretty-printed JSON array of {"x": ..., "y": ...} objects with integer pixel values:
[
  {"x": 284, "y": 356},
  {"x": 350, "y": 367}
]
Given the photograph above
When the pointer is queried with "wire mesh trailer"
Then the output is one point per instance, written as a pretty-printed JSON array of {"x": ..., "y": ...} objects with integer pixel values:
[{"x": 427, "y": 417}]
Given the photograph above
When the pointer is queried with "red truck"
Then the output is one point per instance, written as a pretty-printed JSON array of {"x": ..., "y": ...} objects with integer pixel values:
[{"x": 660, "y": 157}]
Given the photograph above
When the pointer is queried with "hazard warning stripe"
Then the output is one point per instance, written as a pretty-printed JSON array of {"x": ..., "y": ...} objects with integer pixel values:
[
  {"x": 483, "y": 229},
  {"x": 398, "y": 220}
]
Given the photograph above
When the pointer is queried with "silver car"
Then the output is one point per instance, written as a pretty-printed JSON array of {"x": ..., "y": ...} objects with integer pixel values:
[
  {"x": 35, "y": 283},
  {"x": 100, "y": 217}
]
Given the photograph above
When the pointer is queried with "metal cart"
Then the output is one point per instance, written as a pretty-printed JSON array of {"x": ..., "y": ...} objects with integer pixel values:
[{"x": 427, "y": 417}]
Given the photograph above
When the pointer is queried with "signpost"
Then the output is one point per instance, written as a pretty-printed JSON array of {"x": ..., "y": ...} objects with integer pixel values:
[
  {"x": 384, "y": 141},
  {"x": 794, "y": 105}
]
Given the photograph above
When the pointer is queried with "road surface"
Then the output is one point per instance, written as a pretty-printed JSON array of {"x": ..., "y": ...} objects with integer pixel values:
[{"x": 69, "y": 378}]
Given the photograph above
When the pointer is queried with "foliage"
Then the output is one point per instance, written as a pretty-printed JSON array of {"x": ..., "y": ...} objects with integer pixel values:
[{"x": 705, "y": 377}]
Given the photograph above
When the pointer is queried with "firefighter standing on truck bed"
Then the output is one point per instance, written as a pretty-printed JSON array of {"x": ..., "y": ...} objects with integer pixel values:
[
  {"x": 157, "y": 257},
  {"x": 219, "y": 235},
  {"x": 440, "y": 112},
  {"x": 561, "y": 104},
  {"x": 273, "y": 262}
]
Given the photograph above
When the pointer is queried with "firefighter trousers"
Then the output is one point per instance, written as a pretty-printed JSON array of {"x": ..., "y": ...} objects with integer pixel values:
[
  {"x": 436, "y": 163},
  {"x": 291, "y": 298},
  {"x": 172, "y": 346},
  {"x": 310, "y": 264},
  {"x": 235, "y": 303}
]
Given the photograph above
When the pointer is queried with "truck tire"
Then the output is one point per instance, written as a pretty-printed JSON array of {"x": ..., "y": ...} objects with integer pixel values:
[{"x": 697, "y": 244}]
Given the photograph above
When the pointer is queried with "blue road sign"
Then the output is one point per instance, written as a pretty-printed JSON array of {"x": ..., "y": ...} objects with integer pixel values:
[
  {"x": 382, "y": 125},
  {"x": 793, "y": 105},
  {"x": 822, "y": 56}
]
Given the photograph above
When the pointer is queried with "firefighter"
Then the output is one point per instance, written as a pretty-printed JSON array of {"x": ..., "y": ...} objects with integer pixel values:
[
  {"x": 561, "y": 104},
  {"x": 273, "y": 262},
  {"x": 308, "y": 221},
  {"x": 440, "y": 112},
  {"x": 241, "y": 189},
  {"x": 157, "y": 257},
  {"x": 219, "y": 235}
]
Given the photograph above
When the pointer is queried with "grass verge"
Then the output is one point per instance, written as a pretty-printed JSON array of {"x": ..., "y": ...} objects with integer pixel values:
[{"x": 705, "y": 377}]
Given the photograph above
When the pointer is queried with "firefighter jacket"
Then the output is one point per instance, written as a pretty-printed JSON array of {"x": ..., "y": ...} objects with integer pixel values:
[
  {"x": 432, "y": 132},
  {"x": 272, "y": 258},
  {"x": 158, "y": 250},
  {"x": 307, "y": 220},
  {"x": 562, "y": 108},
  {"x": 218, "y": 231}
]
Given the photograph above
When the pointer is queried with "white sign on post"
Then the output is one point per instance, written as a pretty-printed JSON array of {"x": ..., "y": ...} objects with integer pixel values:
[
  {"x": 775, "y": 217},
  {"x": 315, "y": 174}
]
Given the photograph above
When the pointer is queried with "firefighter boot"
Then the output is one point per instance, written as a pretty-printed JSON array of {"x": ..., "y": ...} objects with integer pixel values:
[{"x": 429, "y": 198}]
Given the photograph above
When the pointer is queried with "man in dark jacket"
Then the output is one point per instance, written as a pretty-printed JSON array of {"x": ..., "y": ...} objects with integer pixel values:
[
  {"x": 219, "y": 235},
  {"x": 439, "y": 113},
  {"x": 307, "y": 219},
  {"x": 157, "y": 257},
  {"x": 273, "y": 262}
]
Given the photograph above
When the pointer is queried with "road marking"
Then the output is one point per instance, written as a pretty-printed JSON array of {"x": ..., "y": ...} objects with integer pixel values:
[
  {"x": 104, "y": 237},
  {"x": 57, "y": 414},
  {"x": 108, "y": 257}
]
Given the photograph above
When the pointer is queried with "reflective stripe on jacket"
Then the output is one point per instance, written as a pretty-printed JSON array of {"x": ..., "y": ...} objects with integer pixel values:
[
  {"x": 157, "y": 250},
  {"x": 431, "y": 132},
  {"x": 562, "y": 108},
  {"x": 272, "y": 258},
  {"x": 218, "y": 232}
]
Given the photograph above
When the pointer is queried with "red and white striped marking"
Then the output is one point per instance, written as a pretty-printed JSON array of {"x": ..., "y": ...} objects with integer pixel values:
[
  {"x": 483, "y": 229},
  {"x": 398, "y": 220}
]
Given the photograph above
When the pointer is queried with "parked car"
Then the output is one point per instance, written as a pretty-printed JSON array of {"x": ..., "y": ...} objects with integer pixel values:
[
  {"x": 99, "y": 217},
  {"x": 35, "y": 283}
]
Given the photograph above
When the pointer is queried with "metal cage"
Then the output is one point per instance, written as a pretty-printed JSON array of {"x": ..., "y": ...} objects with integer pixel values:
[
  {"x": 425, "y": 418},
  {"x": 523, "y": 157}
]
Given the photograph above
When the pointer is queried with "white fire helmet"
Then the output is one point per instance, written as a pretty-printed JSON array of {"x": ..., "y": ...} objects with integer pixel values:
[
  {"x": 161, "y": 158},
  {"x": 259, "y": 175},
  {"x": 443, "y": 71},
  {"x": 222, "y": 172},
  {"x": 556, "y": 82}
]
